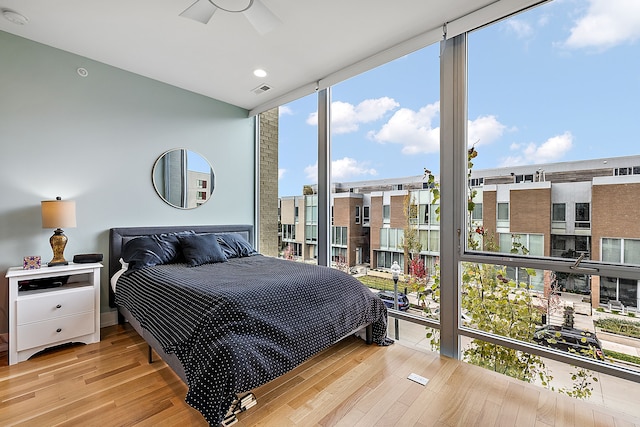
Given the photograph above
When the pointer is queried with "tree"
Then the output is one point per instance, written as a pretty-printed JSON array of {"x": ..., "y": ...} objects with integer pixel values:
[
  {"x": 411, "y": 241},
  {"x": 496, "y": 304}
]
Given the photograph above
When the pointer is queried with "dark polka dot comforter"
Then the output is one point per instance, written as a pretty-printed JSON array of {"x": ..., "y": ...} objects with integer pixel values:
[{"x": 236, "y": 325}]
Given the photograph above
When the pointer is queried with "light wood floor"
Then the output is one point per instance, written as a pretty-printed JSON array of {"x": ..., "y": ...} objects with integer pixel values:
[{"x": 351, "y": 384}]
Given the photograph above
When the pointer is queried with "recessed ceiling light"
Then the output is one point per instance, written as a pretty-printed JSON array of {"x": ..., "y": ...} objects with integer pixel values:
[
  {"x": 15, "y": 17},
  {"x": 259, "y": 73}
]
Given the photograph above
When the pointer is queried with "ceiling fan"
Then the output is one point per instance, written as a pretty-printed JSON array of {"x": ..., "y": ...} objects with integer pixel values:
[{"x": 262, "y": 19}]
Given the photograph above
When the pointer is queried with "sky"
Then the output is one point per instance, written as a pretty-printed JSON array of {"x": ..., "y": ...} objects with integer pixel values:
[{"x": 557, "y": 83}]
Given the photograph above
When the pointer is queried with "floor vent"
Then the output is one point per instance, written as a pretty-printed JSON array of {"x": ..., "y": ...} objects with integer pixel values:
[{"x": 261, "y": 89}]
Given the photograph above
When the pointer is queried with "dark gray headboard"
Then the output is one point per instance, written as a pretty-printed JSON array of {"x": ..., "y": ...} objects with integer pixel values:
[{"x": 119, "y": 236}]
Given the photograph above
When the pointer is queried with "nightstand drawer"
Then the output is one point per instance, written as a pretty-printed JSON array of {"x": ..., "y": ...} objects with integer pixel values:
[
  {"x": 51, "y": 305},
  {"x": 59, "y": 329}
]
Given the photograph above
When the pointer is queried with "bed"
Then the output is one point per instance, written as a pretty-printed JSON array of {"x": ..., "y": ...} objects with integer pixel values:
[{"x": 228, "y": 324}]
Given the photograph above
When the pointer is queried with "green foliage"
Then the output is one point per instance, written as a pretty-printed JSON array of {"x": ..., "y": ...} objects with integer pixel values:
[
  {"x": 411, "y": 241},
  {"x": 625, "y": 327},
  {"x": 500, "y": 306},
  {"x": 374, "y": 282},
  {"x": 623, "y": 356}
]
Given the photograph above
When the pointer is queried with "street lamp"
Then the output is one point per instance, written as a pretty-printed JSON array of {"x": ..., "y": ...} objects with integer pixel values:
[{"x": 395, "y": 273}]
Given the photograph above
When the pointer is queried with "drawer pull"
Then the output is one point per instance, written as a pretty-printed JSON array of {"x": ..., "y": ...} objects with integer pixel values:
[
  {"x": 59, "y": 306},
  {"x": 59, "y": 330}
]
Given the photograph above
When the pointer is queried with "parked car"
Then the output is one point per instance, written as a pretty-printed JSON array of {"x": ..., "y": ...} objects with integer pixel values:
[
  {"x": 387, "y": 298},
  {"x": 577, "y": 341}
]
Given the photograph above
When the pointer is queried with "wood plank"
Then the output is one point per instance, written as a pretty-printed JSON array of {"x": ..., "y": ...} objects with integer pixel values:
[{"x": 111, "y": 384}]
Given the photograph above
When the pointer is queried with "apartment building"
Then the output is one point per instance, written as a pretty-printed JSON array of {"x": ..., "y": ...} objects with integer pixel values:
[{"x": 579, "y": 210}]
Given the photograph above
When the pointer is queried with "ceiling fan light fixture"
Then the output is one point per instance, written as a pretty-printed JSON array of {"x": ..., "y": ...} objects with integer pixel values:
[{"x": 216, "y": 3}]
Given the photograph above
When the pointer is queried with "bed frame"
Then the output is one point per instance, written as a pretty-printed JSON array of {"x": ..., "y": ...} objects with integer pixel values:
[{"x": 119, "y": 236}]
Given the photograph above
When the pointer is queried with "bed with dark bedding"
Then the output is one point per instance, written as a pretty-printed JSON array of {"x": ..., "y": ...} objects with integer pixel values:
[{"x": 226, "y": 318}]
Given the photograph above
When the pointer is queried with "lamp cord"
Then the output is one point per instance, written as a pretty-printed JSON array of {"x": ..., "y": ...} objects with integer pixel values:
[{"x": 230, "y": 10}]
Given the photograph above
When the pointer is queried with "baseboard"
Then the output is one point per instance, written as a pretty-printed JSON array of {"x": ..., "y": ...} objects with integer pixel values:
[{"x": 108, "y": 318}]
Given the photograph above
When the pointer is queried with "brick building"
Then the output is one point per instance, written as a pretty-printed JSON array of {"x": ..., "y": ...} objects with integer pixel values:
[{"x": 576, "y": 209}]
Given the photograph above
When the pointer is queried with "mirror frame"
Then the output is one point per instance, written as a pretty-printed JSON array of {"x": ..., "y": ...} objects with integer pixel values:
[{"x": 171, "y": 179}]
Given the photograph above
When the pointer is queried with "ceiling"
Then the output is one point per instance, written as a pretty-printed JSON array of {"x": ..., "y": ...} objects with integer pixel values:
[{"x": 314, "y": 40}]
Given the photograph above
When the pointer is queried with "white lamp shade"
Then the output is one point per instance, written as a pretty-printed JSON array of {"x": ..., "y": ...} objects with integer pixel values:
[{"x": 58, "y": 214}]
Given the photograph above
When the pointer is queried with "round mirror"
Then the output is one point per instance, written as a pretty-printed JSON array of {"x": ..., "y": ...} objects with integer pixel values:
[{"x": 183, "y": 178}]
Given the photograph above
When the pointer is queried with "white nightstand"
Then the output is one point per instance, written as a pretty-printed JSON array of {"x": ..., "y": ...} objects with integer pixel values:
[{"x": 43, "y": 318}]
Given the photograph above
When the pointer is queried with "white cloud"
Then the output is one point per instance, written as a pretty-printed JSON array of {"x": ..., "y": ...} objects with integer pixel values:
[
  {"x": 415, "y": 131},
  {"x": 520, "y": 28},
  {"x": 484, "y": 130},
  {"x": 281, "y": 173},
  {"x": 346, "y": 118},
  {"x": 606, "y": 24},
  {"x": 341, "y": 169},
  {"x": 285, "y": 110},
  {"x": 412, "y": 129},
  {"x": 552, "y": 150}
]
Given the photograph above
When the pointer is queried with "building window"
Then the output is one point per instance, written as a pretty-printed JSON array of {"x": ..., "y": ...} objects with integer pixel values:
[
  {"x": 339, "y": 236},
  {"x": 288, "y": 232},
  {"x": 358, "y": 218},
  {"x": 311, "y": 233},
  {"x": 391, "y": 238},
  {"x": 558, "y": 212},
  {"x": 476, "y": 214},
  {"x": 201, "y": 195},
  {"x": 635, "y": 170},
  {"x": 621, "y": 251},
  {"x": 397, "y": 186},
  {"x": 386, "y": 214},
  {"x": 532, "y": 244},
  {"x": 385, "y": 259},
  {"x": 616, "y": 289},
  {"x": 503, "y": 212},
  {"x": 423, "y": 214},
  {"x": 434, "y": 215},
  {"x": 365, "y": 216},
  {"x": 201, "y": 183},
  {"x": 583, "y": 215},
  {"x": 524, "y": 178},
  {"x": 474, "y": 182},
  {"x": 413, "y": 213}
]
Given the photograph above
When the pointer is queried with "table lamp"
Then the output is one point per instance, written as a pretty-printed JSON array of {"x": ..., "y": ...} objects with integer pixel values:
[{"x": 57, "y": 214}]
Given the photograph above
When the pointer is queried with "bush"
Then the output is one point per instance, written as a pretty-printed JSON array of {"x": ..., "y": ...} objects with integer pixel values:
[
  {"x": 624, "y": 327},
  {"x": 622, "y": 356}
]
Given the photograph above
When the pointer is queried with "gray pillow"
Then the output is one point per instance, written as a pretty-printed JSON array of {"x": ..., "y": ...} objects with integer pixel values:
[
  {"x": 235, "y": 246},
  {"x": 199, "y": 249},
  {"x": 155, "y": 249}
]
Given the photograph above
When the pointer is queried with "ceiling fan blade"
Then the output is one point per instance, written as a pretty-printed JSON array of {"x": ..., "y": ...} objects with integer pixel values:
[
  {"x": 201, "y": 11},
  {"x": 262, "y": 19}
]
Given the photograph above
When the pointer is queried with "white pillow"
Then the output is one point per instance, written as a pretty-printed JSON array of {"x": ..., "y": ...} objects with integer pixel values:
[{"x": 115, "y": 277}]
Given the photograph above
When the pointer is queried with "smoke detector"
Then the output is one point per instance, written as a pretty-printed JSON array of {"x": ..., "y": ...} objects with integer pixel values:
[{"x": 15, "y": 17}]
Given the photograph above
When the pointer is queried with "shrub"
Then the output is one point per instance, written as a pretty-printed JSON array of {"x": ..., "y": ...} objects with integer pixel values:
[{"x": 619, "y": 326}]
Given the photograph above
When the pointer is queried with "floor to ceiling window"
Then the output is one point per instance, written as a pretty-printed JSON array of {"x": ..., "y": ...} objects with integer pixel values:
[
  {"x": 551, "y": 125},
  {"x": 543, "y": 266}
]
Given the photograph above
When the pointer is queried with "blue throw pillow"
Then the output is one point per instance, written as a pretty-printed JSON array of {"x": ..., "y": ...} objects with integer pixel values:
[
  {"x": 199, "y": 249},
  {"x": 155, "y": 249},
  {"x": 235, "y": 246}
]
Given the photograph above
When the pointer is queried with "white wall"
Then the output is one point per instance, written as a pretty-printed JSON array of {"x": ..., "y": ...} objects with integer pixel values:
[{"x": 94, "y": 139}]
